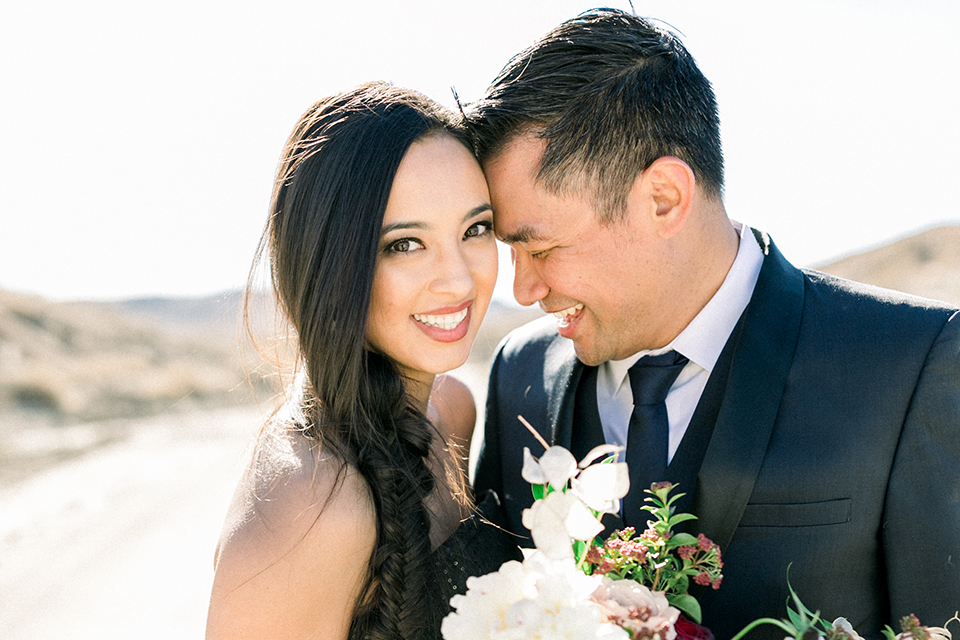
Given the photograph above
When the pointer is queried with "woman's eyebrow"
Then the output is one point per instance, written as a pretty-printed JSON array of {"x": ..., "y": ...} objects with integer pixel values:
[
  {"x": 477, "y": 211},
  {"x": 402, "y": 225},
  {"x": 405, "y": 224}
]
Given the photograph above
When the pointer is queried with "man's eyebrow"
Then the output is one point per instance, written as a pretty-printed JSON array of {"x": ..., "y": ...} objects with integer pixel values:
[{"x": 522, "y": 234}]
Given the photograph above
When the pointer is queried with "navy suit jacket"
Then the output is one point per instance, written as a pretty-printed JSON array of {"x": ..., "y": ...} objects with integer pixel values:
[{"x": 836, "y": 450}]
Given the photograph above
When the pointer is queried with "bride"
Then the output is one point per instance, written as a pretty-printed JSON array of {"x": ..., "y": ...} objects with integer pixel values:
[{"x": 382, "y": 255}]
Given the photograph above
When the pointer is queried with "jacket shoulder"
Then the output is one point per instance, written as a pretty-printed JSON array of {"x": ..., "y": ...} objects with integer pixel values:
[
  {"x": 530, "y": 341},
  {"x": 864, "y": 297}
]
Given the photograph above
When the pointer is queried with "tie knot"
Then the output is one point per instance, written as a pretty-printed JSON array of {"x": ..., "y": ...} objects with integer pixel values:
[{"x": 652, "y": 376}]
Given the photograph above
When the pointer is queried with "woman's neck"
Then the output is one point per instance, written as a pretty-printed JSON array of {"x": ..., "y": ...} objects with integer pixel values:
[{"x": 418, "y": 385}]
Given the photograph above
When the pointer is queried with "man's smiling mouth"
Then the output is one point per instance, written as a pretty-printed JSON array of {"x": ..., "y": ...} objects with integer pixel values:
[{"x": 564, "y": 315}]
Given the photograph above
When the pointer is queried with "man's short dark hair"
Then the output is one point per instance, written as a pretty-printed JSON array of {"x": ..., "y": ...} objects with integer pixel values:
[{"x": 610, "y": 93}]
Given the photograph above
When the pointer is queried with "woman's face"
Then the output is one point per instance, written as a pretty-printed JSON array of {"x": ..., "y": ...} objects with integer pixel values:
[{"x": 437, "y": 260}]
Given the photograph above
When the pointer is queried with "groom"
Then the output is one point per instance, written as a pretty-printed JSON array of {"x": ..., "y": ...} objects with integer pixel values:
[{"x": 813, "y": 422}]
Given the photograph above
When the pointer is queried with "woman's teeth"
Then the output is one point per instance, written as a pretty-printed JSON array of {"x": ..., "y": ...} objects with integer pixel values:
[
  {"x": 564, "y": 315},
  {"x": 446, "y": 322}
]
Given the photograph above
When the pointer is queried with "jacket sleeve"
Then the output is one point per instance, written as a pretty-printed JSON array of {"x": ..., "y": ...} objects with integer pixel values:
[{"x": 921, "y": 527}]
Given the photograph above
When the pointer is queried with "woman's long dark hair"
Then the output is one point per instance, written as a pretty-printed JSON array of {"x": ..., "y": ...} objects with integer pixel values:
[{"x": 322, "y": 238}]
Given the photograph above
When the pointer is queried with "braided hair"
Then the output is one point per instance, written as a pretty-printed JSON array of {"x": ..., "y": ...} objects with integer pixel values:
[{"x": 322, "y": 236}]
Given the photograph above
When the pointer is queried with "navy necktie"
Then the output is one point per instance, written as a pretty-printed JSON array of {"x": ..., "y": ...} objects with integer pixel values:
[{"x": 649, "y": 432}]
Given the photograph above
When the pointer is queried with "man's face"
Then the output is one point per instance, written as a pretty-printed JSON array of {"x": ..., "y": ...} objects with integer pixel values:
[{"x": 604, "y": 282}]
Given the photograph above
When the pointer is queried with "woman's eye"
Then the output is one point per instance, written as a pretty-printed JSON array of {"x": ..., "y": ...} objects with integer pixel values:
[
  {"x": 479, "y": 229},
  {"x": 404, "y": 245}
]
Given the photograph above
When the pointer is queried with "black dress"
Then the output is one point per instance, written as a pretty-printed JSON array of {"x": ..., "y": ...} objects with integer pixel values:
[{"x": 479, "y": 546}]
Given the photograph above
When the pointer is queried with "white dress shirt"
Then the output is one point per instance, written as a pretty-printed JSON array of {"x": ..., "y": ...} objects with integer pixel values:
[{"x": 701, "y": 342}]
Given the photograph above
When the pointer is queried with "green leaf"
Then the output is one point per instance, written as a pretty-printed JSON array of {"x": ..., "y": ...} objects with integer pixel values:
[
  {"x": 674, "y": 498},
  {"x": 681, "y": 517},
  {"x": 682, "y": 583},
  {"x": 796, "y": 619},
  {"x": 579, "y": 546},
  {"x": 537, "y": 490},
  {"x": 686, "y": 603},
  {"x": 683, "y": 540},
  {"x": 807, "y": 618}
]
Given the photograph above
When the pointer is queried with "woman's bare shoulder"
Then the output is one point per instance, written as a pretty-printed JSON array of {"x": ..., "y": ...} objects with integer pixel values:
[
  {"x": 456, "y": 411},
  {"x": 296, "y": 545}
]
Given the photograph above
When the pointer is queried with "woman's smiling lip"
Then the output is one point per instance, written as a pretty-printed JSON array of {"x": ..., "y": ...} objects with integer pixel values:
[
  {"x": 442, "y": 311},
  {"x": 445, "y": 324}
]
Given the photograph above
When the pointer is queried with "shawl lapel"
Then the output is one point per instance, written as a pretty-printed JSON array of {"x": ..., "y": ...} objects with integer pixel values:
[{"x": 761, "y": 362}]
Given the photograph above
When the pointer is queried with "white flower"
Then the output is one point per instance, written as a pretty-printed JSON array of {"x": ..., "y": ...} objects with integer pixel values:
[
  {"x": 939, "y": 633},
  {"x": 557, "y": 518},
  {"x": 564, "y": 515},
  {"x": 622, "y": 600},
  {"x": 599, "y": 451},
  {"x": 843, "y": 625},
  {"x": 555, "y": 467},
  {"x": 602, "y": 485},
  {"x": 537, "y": 599}
]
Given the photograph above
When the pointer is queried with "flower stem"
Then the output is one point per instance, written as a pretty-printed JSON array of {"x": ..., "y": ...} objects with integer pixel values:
[
  {"x": 534, "y": 432},
  {"x": 756, "y": 623}
]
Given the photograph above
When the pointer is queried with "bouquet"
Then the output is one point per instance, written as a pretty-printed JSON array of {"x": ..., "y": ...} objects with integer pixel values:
[{"x": 575, "y": 585}]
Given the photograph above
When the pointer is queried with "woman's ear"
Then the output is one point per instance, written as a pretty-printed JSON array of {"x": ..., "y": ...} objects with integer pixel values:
[{"x": 668, "y": 185}]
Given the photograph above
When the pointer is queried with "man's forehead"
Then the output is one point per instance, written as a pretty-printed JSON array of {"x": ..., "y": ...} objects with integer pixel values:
[
  {"x": 511, "y": 176},
  {"x": 523, "y": 152}
]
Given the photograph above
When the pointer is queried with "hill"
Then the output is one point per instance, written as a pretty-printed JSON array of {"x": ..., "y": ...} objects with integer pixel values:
[
  {"x": 88, "y": 361},
  {"x": 926, "y": 264},
  {"x": 83, "y": 361}
]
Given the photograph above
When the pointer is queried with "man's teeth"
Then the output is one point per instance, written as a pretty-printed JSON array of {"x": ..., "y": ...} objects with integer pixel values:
[
  {"x": 446, "y": 322},
  {"x": 563, "y": 315}
]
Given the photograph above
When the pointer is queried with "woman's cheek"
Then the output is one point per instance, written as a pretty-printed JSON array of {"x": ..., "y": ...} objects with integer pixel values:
[{"x": 489, "y": 263}]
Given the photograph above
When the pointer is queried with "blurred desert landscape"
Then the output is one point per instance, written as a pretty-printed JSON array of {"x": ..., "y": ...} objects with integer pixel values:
[{"x": 122, "y": 432}]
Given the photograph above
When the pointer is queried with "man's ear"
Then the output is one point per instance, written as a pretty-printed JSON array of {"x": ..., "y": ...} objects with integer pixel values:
[{"x": 668, "y": 184}]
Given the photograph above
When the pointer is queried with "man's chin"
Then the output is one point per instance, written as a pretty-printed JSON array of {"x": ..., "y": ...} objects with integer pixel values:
[{"x": 587, "y": 355}]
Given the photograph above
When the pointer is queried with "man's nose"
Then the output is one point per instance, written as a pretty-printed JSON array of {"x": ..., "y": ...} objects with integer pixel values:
[{"x": 528, "y": 286}]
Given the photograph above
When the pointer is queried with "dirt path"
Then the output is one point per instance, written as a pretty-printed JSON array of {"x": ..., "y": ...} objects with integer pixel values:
[{"x": 118, "y": 543}]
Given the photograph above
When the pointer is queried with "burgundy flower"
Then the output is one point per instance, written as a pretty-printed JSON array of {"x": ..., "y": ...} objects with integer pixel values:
[
  {"x": 705, "y": 543},
  {"x": 686, "y": 552},
  {"x": 703, "y": 579},
  {"x": 687, "y": 630},
  {"x": 593, "y": 555}
]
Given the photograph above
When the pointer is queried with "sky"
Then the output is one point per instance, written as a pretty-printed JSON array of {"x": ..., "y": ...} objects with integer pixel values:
[{"x": 138, "y": 141}]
